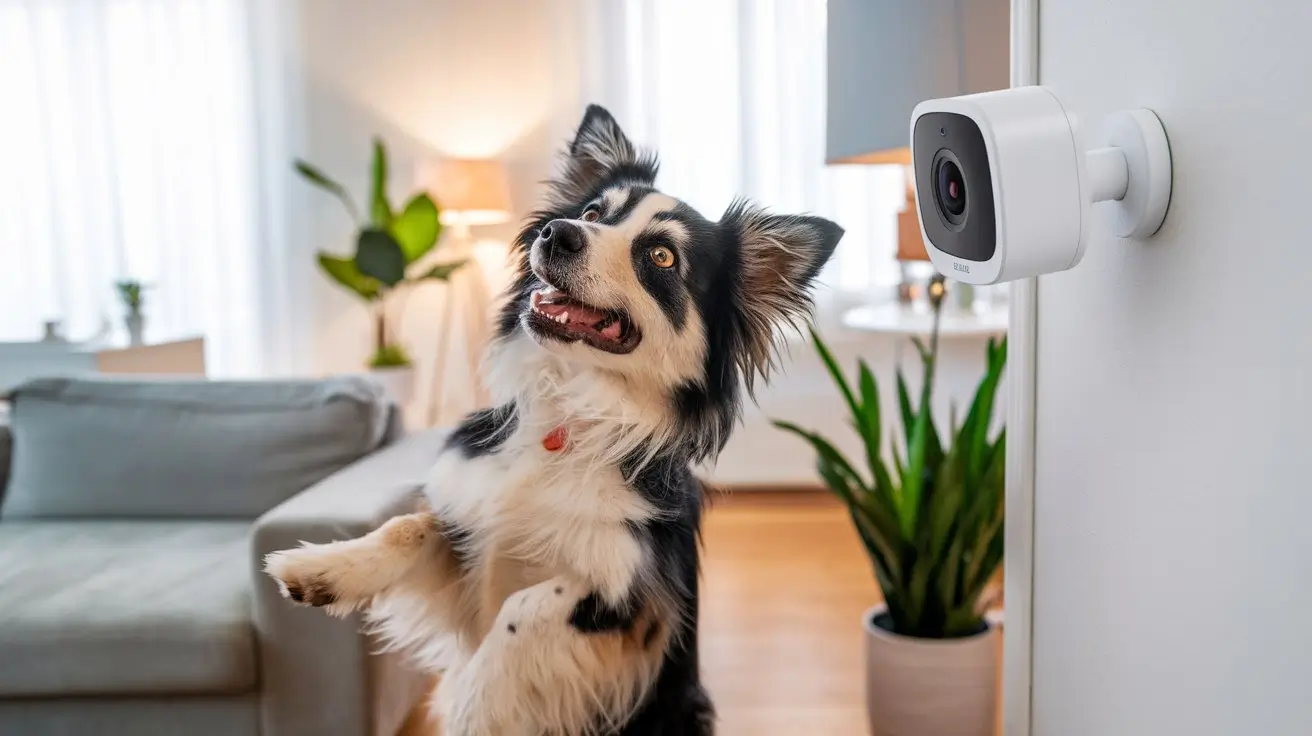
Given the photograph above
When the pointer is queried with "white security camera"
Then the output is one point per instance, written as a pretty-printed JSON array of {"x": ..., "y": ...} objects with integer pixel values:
[{"x": 1005, "y": 182}]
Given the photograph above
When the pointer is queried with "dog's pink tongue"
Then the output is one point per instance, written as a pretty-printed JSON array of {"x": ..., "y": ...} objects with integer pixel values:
[
  {"x": 612, "y": 331},
  {"x": 579, "y": 315}
]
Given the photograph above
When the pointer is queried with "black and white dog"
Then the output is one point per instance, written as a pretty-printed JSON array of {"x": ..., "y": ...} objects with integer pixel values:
[{"x": 553, "y": 573}]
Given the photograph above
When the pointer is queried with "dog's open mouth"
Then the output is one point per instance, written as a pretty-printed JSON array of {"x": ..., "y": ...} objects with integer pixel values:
[{"x": 554, "y": 313}]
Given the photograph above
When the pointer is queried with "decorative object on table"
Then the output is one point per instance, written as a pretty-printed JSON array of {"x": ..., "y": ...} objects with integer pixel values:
[
  {"x": 388, "y": 246},
  {"x": 473, "y": 192},
  {"x": 52, "y": 331},
  {"x": 912, "y": 258},
  {"x": 131, "y": 293},
  {"x": 933, "y": 527}
]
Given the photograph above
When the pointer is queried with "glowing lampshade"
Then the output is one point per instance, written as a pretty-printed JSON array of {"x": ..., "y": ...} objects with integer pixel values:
[{"x": 469, "y": 191}]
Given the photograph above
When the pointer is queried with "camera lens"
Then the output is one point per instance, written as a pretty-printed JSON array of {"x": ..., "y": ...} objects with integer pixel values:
[
  {"x": 954, "y": 186},
  {"x": 949, "y": 188}
]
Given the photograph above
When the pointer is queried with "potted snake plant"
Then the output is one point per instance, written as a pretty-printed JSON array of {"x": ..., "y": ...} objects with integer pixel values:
[
  {"x": 932, "y": 524},
  {"x": 132, "y": 293}
]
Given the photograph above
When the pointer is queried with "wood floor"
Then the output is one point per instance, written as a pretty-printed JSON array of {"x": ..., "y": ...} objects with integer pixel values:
[{"x": 785, "y": 583}]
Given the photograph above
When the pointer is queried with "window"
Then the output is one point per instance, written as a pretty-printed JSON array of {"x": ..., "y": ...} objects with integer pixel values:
[
  {"x": 128, "y": 146},
  {"x": 732, "y": 94}
]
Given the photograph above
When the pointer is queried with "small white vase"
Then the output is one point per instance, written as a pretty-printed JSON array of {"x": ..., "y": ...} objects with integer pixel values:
[
  {"x": 136, "y": 325},
  {"x": 398, "y": 383},
  {"x": 929, "y": 687}
]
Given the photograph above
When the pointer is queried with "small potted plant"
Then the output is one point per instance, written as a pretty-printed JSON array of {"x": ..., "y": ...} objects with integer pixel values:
[
  {"x": 388, "y": 245},
  {"x": 933, "y": 527},
  {"x": 131, "y": 292}
]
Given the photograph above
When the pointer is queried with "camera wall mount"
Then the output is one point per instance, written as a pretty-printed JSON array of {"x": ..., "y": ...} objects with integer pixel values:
[{"x": 1131, "y": 174}]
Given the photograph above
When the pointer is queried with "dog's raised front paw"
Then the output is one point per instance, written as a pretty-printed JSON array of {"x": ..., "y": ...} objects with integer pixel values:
[{"x": 302, "y": 575}]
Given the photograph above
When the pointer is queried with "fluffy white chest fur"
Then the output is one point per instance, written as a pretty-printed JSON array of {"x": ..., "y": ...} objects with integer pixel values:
[
  {"x": 530, "y": 513},
  {"x": 525, "y": 512}
]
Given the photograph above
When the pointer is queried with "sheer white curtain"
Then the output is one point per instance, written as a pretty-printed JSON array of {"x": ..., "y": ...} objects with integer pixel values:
[
  {"x": 732, "y": 93},
  {"x": 130, "y": 148}
]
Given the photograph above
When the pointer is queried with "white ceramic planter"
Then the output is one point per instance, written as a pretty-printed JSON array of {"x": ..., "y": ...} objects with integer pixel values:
[
  {"x": 930, "y": 687},
  {"x": 398, "y": 383},
  {"x": 136, "y": 325}
]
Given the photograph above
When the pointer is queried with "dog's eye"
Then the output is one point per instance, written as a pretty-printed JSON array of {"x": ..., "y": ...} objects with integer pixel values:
[
  {"x": 591, "y": 214},
  {"x": 662, "y": 256}
]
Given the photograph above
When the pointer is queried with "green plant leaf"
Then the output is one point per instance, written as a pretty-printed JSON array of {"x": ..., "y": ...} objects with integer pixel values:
[
  {"x": 933, "y": 447},
  {"x": 319, "y": 179},
  {"x": 837, "y": 374},
  {"x": 987, "y": 517},
  {"x": 904, "y": 405},
  {"x": 380, "y": 211},
  {"x": 972, "y": 437},
  {"x": 876, "y": 527},
  {"x": 874, "y": 517},
  {"x": 920, "y": 348},
  {"x": 417, "y": 227},
  {"x": 914, "y": 480},
  {"x": 824, "y": 449},
  {"x": 917, "y": 593},
  {"x": 443, "y": 271},
  {"x": 897, "y": 459},
  {"x": 870, "y": 430},
  {"x": 344, "y": 272},
  {"x": 949, "y": 576},
  {"x": 378, "y": 255},
  {"x": 983, "y": 410},
  {"x": 943, "y": 513}
]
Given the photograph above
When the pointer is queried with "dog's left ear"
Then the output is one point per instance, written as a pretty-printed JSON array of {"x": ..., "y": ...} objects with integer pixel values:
[
  {"x": 780, "y": 256},
  {"x": 599, "y": 150}
]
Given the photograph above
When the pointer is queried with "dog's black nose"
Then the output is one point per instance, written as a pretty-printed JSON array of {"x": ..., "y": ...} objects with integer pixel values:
[{"x": 563, "y": 234}]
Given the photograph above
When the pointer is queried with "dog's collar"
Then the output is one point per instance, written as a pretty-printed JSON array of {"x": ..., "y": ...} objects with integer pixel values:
[{"x": 555, "y": 439}]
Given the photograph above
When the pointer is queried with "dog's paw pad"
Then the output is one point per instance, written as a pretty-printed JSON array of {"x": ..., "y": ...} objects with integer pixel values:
[
  {"x": 297, "y": 579},
  {"x": 314, "y": 593}
]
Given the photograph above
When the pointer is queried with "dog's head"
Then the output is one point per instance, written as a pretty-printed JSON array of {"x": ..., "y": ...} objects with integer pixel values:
[{"x": 619, "y": 277}]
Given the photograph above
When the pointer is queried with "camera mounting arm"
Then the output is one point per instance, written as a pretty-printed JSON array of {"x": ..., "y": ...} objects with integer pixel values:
[{"x": 1132, "y": 172}]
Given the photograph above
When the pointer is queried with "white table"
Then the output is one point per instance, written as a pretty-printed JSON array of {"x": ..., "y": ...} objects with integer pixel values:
[
  {"x": 178, "y": 356},
  {"x": 902, "y": 320}
]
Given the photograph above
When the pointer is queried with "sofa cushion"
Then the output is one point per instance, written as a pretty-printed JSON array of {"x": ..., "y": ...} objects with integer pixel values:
[
  {"x": 182, "y": 449},
  {"x": 122, "y": 607}
]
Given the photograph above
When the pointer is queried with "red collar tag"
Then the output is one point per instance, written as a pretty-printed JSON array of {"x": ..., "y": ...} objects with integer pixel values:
[{"x": 555, "y": 439}]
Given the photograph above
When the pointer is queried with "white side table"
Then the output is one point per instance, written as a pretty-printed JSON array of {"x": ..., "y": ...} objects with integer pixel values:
[
  {"x": 897, "y": 319},
  {"x": 178, "y": 356}
]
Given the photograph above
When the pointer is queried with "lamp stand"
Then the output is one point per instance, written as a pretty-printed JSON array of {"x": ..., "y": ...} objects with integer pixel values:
[{"x": 466, "y": 292}]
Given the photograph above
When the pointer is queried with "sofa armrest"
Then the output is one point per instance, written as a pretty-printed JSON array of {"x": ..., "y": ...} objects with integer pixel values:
[
  {"x": 6, "y": 454},
  {"x": 318, "y": 674}
]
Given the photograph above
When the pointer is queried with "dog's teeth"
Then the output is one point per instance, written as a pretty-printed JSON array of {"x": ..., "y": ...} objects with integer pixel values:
[{"x": 563, "y": 318}]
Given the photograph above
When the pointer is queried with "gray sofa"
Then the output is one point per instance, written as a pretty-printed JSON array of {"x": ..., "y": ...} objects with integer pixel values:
[{"x": 134, "y": 517}]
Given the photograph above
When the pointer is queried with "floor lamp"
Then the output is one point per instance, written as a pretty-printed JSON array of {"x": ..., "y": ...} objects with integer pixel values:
[{"x": 470, "y": 193}]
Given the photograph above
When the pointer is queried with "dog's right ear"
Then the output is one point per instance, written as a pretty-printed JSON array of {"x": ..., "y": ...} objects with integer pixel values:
[{"x": 599, "y": 151}]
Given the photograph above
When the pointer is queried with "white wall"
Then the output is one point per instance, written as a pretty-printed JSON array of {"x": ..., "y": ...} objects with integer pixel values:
[{"x": 1172, "y": 479}]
